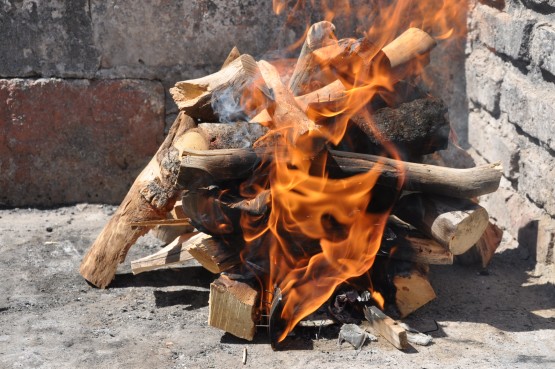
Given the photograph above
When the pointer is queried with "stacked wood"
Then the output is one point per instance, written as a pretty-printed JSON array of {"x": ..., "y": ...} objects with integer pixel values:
[{"x": 212, "y": 173}]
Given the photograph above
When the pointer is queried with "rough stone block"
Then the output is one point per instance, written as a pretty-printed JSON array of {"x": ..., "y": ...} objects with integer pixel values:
[
  {"x": 537, "y": 171},
  {"x": 46, "y": 38},
  {"x": 495, "y": 140},
  {"x": 543, "y": 48},
  {"x": 178, "y": 39},
  {"x": 530, "y": 106},
  {"x": 514, "y": 213},
  {"x": 541, "y": 6},
  {"x": 68, "y": 141},
  {"x": 503, "y": 32},
  {"x": 484, "y": 74},
  {"x": 545, "y": 250}
]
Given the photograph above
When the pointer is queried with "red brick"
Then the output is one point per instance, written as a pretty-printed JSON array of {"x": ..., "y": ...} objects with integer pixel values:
[{"x": 69, "y": 141}]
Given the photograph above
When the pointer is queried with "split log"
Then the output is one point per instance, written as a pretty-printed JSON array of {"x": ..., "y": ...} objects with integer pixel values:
[
  {"x": 233, "y": 307},
  {"x": 214, "y": 256},
  {"x": 151, "y": 196},
  {"x": 483, "y": 251},
  {"x": 319, "y": 35},
  {"x": 455, "y": 223},
  {"x": 195, "y": 96},
  {"x": 413, "y": 290},
  {"x": 386, "y": 327},
  {"x": 233, "y": 54},
  {"x": 286, "y": 114},
  {"x": 407, "y": 243},
  {"x": 222, "y": 165},
  {"x": 169, "y": 232},
  {"x": 412, "y": 45},
  {"x": 174, "y": 253}
]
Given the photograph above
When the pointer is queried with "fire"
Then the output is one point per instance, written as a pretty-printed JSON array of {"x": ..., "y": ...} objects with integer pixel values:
[{"x": 320, "y": 232}]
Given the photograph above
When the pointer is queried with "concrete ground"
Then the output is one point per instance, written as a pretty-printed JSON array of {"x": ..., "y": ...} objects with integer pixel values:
[{"x": 51, "y": 318}]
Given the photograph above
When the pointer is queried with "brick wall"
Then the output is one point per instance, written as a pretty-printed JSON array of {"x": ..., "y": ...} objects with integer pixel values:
[{"x": 510, "y": 80}]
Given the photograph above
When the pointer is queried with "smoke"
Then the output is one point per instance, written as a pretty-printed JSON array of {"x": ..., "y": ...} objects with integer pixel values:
[{"x": 227, "y": 105}]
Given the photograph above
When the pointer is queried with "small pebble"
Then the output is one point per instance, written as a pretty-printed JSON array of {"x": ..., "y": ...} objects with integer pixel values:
[{"x": 49, "y": 229}]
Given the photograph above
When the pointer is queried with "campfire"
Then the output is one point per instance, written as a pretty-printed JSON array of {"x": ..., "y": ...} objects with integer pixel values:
[{"x": 310, "y": 186}]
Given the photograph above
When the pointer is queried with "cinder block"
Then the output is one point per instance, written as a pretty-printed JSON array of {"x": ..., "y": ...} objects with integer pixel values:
[
  {"x": 531, "y": 106},
  {"x": 545, "y": 249},
  {"x": 69, "y": 141},
  {"x": 543, "y": 48},
  {"x": 484, "y": 74},
  {"x": 496, "y": 140},
  {"x": 47, "y": 39},
  {"x": 503, "y": 32}
]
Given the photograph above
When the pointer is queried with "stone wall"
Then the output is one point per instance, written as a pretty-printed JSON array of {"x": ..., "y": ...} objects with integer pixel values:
[
  {"x": 83, "y": 86},
  {"x": 510, "y": 79}
]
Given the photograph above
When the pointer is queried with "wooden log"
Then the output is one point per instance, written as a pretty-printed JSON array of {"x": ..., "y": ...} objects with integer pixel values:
[
  {"x": 334, "y": 91},
  {"x": 483, "y": 251},
  {"x": 174, "y": 253},
  {"x": 413, "y": 290},
  {"x": 287, "y": 115},
  {"x": 455, "y": 223},
  {"x": 214, "y": 256},
  {"x": 233, "y": 54},
  {"x": 386, "y": 327},
  {"x": 151, "y": 196},
  {"x": 233, "y": 307},
  {"x": 407, "y": 243},
  {"x": 231, "y": 135},
  {"x": 319, "y": 35},
  {"x": 415, "y": 128},
  {"x": 168, "y": 233},
  {"x": 195, "y": 96},
  {"x": 413, "y": 44},
  {"x": 222, "y": 165}
]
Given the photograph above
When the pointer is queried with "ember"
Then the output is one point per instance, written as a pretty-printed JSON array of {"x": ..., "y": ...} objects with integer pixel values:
[{"x": 312, "y": 192}]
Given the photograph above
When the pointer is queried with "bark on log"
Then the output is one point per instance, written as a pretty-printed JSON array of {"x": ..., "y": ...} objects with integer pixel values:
[
  {"x": 151, "y": 196},
  {"x": 415, "y": 128},
  {"x": 483, "y": 251},
  {"x": 222, "y": 165},
  {"x": 455, "y": 223},
  {"x": 233, "y": 307}
]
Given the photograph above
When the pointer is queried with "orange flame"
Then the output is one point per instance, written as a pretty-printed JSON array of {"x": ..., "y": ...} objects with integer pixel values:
[{"x": 320, "y": 233}]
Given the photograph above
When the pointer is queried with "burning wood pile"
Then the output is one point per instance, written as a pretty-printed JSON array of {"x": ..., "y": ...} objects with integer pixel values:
[{"x": 305, "y": 187}]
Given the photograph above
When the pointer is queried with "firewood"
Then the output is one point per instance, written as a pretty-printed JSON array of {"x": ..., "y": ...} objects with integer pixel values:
[
  {"x": 411, "y": 245},
  {"x": 222, "y": 165},
  {"x": 415, "y": 128},
  {"x": 195, "y": 96},
  {"x": 168, "y": 233},
  {"x": 214, "y": 256},
  {"x": 483, "y": 251},
  {"x": 233, "y": 54},
  {"x": 233, "y": 307},
  {"x": 410, "y": 45},
  {"x": 151, "y": 196},
  {"x": 455, "y": 223},
  {"x": 386, "y": 327},
  {"x": 319, "y": 35},
  {"x": 332, "y": 92},
  {"x": 286, "y": 113},
  {"x": 174, "y": 253},
  {"x": 231, "y": 135},
  {"x": 413, "y": 290},
  {"x": 163, "y": 222}
]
